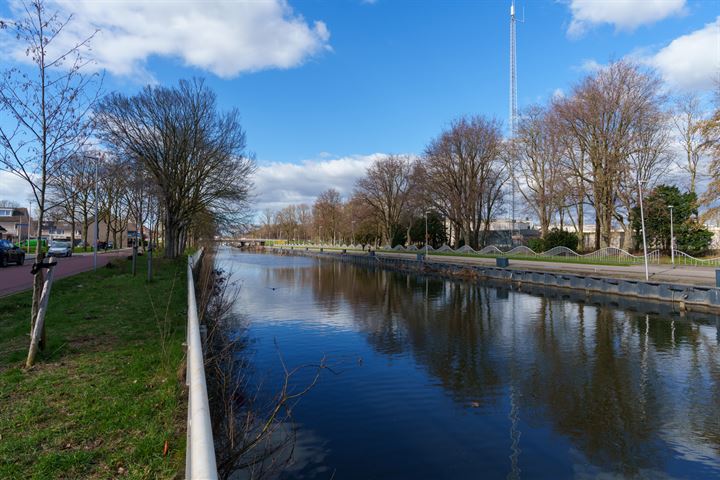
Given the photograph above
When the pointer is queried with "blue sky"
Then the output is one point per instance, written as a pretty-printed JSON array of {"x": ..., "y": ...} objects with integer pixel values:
[{"x": 323, "y": 85}]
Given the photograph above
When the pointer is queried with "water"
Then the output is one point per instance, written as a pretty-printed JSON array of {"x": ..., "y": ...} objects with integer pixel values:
[{"x": 446, "y": 379}]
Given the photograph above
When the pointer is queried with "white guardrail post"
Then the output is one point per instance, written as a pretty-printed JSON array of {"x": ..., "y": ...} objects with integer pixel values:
[{"x": 200, "y": 451}]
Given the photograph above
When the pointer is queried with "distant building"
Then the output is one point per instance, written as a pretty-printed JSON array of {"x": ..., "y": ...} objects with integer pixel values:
[{"x": 14, "y": 222}]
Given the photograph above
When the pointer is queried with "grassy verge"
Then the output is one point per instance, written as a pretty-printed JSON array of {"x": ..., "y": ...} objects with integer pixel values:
[{"x": 104, "y": 396}]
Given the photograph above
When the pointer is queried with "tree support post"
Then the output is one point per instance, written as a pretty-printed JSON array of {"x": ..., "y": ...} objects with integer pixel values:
[{"x": 40, "y": 320}]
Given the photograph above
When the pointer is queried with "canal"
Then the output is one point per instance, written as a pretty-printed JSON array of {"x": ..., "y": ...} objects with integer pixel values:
[{"x": 436, "y": 379}]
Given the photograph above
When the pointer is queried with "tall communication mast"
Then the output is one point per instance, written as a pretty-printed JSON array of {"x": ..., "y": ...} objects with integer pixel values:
[
  {"x": 513, "y": 112},
  {"x": 513, "y": 73}
]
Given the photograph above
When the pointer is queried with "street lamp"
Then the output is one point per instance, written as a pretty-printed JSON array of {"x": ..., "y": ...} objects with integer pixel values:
[
  {"x": 642, "y": 222},
  {"x": 97, "y": 221},
  {"x": 672, "y": 237}
]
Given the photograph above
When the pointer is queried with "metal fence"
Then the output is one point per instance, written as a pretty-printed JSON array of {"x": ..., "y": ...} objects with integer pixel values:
[
  {"x": 604, "y": 255},
  {"x": 685, "y": 259},
  {"x": 200, "y": 450}
]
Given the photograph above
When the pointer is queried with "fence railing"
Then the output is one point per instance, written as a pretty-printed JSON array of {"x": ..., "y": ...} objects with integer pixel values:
[
  {"x": 607, "y": 254},
  {"x": 685, "y": 259},
  {"x": 200, "y": 450}
]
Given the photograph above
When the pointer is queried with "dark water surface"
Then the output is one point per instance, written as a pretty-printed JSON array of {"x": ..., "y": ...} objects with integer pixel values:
[{"x": 446, "y": 379}]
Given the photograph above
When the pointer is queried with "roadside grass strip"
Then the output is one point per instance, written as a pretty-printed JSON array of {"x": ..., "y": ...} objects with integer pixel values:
[{"x": 106, "y": 393}]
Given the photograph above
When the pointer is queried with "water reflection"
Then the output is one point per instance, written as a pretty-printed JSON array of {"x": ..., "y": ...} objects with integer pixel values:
[{"x": 563, "y": 388}]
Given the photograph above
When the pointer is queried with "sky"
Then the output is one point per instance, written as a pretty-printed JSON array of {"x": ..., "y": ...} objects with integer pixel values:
[{"x": 325, "y": 87}]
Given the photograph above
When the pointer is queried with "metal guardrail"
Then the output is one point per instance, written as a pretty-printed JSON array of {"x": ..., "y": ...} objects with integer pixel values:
[{"x": 200, "y": 450}]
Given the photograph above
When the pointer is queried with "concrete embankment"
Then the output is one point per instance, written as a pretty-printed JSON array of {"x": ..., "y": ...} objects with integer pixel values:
[{"x": 682, "y": 297}]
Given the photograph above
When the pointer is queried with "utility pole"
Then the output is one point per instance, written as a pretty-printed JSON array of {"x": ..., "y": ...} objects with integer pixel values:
[
  {"x": 97, "y": 220},
  {"x": 672, "y": 237}
]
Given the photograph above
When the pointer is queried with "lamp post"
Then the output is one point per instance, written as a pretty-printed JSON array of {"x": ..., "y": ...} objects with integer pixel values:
[
  {"x": 642, "y": 222},
  {"x": 97, "y": 221},
  {"x": 672, "y": 237}
]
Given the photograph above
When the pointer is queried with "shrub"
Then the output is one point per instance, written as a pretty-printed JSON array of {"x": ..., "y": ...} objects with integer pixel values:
[
  {"x": 536, "y": 244},
  {"x": 560, "y": 238}
]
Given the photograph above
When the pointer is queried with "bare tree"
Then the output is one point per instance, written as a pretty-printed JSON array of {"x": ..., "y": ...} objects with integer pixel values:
[
  {"x": 286, "y": 220},
  {"x": 305, "y": 221},
  {"x": 63, "y": 192},
  {"x": 710, "y": 130},
  {"x": 385, "y": 188},
  {"x": 46, "y": 111},
  {"x": 195, "y": 153},
  {"x": 460, "y": 172},
  {"x": 327, "y": 212},
  {"x": 538, "y": 151},
  {"x": 602, "y": 115},
  {"x": 647, "y": 163},
  {"x": 687, "y": 119}
]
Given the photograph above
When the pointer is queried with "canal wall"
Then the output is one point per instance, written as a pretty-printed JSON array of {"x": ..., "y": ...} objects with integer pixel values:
[{"x": 682, "y": 297}]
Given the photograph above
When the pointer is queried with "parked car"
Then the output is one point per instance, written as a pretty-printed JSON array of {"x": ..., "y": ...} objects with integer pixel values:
[
  {"x": 10, "y": 253},
  {"x": 60, "y": 249}
]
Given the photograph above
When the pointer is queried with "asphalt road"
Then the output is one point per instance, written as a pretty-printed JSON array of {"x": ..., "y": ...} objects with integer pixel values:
[{"x": 15, "y": 278}]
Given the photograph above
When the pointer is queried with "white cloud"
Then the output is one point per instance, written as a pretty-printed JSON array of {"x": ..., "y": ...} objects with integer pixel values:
[
  {"x": 692, "y": 61},
  {"x": 14, "y": 188},
  {"x": 590, "y": 65},
  {"x": 226, "y": 38},
  {"x": 280, "y": 184},
  {"x": 622, "y": 14}
]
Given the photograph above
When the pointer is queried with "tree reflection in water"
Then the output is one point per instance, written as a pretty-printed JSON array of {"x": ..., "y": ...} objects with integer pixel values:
[{"x": 623, "y": 387}]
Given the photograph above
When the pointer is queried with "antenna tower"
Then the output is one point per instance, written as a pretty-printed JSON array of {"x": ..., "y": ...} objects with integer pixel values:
[{"x": 513, "y": 111}]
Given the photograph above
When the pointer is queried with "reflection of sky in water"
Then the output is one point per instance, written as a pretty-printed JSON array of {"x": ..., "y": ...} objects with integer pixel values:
[{"x": 441, "y": 379}]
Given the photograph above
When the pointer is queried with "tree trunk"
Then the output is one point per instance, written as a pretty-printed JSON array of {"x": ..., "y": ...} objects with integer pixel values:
[
  {"x": 597, "y": 231},
  {"x": 38, "y": 280},
  {"x": 627, "y": 243}
]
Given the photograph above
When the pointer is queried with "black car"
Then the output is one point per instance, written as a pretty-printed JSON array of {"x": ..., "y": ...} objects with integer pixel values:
[{"x": 10, "y": 253}]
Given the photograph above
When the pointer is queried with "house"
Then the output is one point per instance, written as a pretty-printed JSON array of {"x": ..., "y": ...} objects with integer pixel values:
[{"x": 14, "y": 221}]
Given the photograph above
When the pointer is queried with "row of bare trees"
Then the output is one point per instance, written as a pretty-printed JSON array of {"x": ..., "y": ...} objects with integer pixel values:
[
  {"x": 461, "y": 178},
  {"x": 582, "y": 156},
  {"x": 124, "y": 196},
  {"x": 591, "y": 153},
  {"x": 166, "y": 154}
]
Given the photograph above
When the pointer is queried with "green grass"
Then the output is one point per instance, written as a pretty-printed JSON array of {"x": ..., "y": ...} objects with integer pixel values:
[{"x": 105, "y": 394}]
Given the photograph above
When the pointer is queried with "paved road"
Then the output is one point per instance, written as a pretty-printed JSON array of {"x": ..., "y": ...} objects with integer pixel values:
[
  {"x": 681, "y": 275},
  {"x": 15, "y": 279}
]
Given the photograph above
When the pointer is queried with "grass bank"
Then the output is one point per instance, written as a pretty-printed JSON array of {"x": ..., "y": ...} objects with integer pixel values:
[{"x": 105, "y": 395}]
